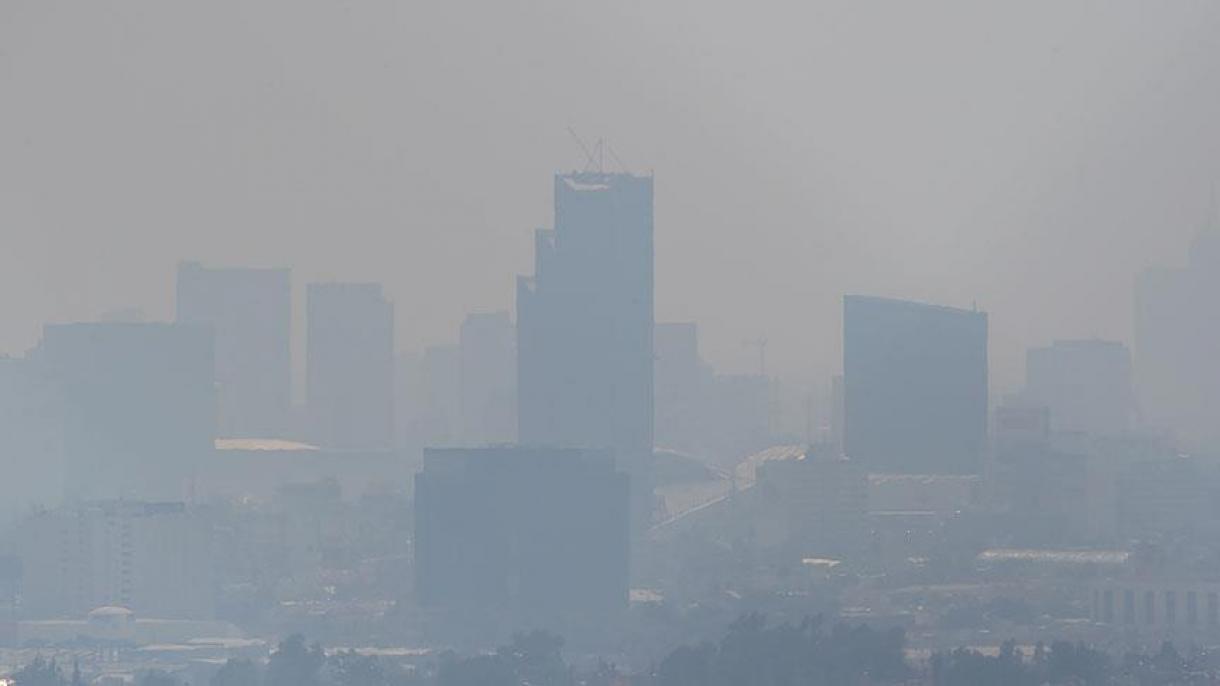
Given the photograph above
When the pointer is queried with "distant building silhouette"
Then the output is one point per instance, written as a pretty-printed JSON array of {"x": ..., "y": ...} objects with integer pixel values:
[
  {"x": 837, "y": 411},
  {"x": 915, "y": 386},
  {"x": 32, "y": 427},
  {"x": 1086, "y": 385},
  {"x": 681, "y": 382},
  {"x": 1046, "y": 494},
  {"x": 814, "y": 504},
  {"x": 737, "y": 416},
  {"x": 519, "y": 537},
  {"x": 250, "y": 313},
  {"x": 488, "y": 379},
  {"x": 138, "y": 403},
  {"x": 585, "y": 324},
  {"x": 442, "y": 386},
  {"x": 152, "y": 558},
  {"x": 1177, "y": 335},
  {"x": 350, "y": 366}
]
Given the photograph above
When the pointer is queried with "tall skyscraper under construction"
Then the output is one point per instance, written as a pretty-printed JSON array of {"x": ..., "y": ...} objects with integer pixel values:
[{"x": 585, "y": 320}]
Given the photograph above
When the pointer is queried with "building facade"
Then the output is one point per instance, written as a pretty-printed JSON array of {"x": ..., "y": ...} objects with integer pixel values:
[
  {"x": 915, "y": 386},
  {"x": 249, "y": 312},
  {"x": 350, "y": 366},
  {"x": 511, "y": 538},
  {"x": 154, "y": 559},
  {"x": 488, "y": 379},
  {"x": 1177, "y": 334},
  {"x": 1085, "y": 384},
  {"x": 138, "y": 406},
  {"x": 585, "y": 324}
]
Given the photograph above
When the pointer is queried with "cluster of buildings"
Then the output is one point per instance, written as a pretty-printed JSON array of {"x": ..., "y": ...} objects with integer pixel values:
[
  {"x": 177, "y": 445},
  {"x": 1087, "y": 498},
  {"x": 511, "y": 480}
]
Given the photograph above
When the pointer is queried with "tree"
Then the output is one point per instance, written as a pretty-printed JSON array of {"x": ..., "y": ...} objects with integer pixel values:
[
  {"x": 157, "y": 677},
  {"x": 536, "y": 658},
  {"x": 1076, "y": 663},
  {"x": 40, "y": 672},
  {"x": 480, "y": 670},
  {"x": 236, "y": 672},
  {"x": 687, "y": 666},
  {"x": 294, "y": 664},
  {"x": 353, "y": 669},
  {"x": 808, "y": 653}
]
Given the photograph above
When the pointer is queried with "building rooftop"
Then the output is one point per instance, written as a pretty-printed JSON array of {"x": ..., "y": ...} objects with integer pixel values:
[
  {"x": 272, "y": 444},
  {"x": 1074, "y": 557},
  {"x": 911, "y": 304}
]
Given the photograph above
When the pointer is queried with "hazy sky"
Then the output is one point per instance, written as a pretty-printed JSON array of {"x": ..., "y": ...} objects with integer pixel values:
[{"x": 1027, "y": 156}]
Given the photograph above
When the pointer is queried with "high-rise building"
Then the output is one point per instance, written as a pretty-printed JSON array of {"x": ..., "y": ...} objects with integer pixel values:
[
  {"x": 1086, "y": 385},
  {"x": 152, "y": 558},
  {"x": 350, "y": 366},
  {"x": 585, "y": 324},
  {"x": 1177, "y": 334},
  {"x": 512, "y": 538},
  {"x": 138, "y": 405},
  {"x": 915, "y": 386},
  {"x": 32, "y": 458},
  {"x": 681, "y": 383},
  {"x": 1045, "y": 494},
  {"x": 836, "y": 412},
  {"x": 250, "y": 313},
  {"x": 736, "y": 417},
  {"x": 816, "y": 502},
  {"x": 442, "y": 403},
  {"x": 488, "y": 379}
]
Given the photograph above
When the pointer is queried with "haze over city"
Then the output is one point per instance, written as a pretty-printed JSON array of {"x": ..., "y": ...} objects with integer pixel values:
[
  {"x": 935, "y": 151},
  {"x": 629, "y": 344}
]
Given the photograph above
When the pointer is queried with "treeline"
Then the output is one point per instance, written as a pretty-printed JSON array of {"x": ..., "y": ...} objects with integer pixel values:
[
  {"x": 1071, "y": 663},
  {"x": 752, "y": 653},
  {"x": 810, "y": 654},
  {"x": 293, "y": 663}
]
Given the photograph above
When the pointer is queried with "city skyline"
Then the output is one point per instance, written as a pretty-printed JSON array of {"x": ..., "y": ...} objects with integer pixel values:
[
  {"x": 627, "y": 344},
  {"x": 1040, "y": 154}
]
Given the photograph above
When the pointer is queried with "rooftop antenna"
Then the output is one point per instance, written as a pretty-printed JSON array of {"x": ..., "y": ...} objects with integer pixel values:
[
  {"x": 622, "y": 167},
  {"x": 584, "y": 148}
]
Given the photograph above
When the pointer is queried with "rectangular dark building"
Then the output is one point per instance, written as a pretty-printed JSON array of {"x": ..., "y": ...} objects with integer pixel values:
[
  {"x": 915, "y": 386},
  {"x": 523, "y": 537},
  {"x": 250, "y": 313},
  {"x": 350, "y": 366}
]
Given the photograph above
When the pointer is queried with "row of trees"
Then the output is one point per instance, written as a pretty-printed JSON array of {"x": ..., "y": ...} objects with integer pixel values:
[
  {"x": 296, "y": 664},
  {"x": 752, "y": 653},
  {"x": 810, "y": 653},
  {"x": 43, "y": 672},
  {"x": 292, "y": 664},
  {"x": 1071, "y": 663}
]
